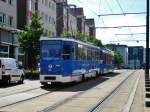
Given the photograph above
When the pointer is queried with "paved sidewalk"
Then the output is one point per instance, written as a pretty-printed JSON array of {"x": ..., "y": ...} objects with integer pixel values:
[
  {"x": 118, "y": 102},
  {"x": 122, "y": 99},
  {"x": 138, "y": 102}
]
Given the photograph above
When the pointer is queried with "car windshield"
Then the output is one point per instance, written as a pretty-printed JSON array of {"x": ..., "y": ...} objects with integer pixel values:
[
  {"x": 10, "y": 64},
  {"x": 51, "y": 52}
]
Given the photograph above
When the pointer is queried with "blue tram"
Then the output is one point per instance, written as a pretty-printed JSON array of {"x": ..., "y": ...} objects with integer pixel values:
[{"x": 69, "y": 60}]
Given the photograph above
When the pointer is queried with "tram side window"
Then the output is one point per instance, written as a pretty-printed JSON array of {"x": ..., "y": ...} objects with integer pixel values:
[
  {"x": 76, "y": 51},
  {"x": 66, "y": 52},
  {"x": 88, "y": 54},
  {"x": 81, "y": 54}
]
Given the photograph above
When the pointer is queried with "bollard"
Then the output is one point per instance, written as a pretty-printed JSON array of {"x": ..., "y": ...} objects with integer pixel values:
[
  {"x": 147, "y": 94},
  {"x": 147, "y": 103},
  {"x": 147, "y": 89},
  {"x": 147, "y": 82},
  {"x": 147, "y": 85},
  {"x": 147, "y": 79}
]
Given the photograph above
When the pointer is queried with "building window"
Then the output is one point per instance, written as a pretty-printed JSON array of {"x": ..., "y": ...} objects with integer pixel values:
[
  {"x": 53, "y": 21},
  {"x": 49, "y": 4},
  {"x": 50, "y": 33},
  {"x": 10, "y": 2},
  {"x": 42, "y": 15},
  {"x": 3, "y": 0},
  {"x": 2, "y": 18},
  {"x": 49, "y": 19},
  {"x": 46, "y": 17},
  {"x": 10, "y": 20},
  {"x": 46, "y": 2},
  {"x": 4, "y": 52},
  {"x": 53, "y": 7},
  {"x": 53, "y": 34},
  {"x": 42, "y": 1}
]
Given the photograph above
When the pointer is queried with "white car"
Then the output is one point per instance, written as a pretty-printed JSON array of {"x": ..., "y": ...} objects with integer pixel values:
[{"x": 10, "y": 71}]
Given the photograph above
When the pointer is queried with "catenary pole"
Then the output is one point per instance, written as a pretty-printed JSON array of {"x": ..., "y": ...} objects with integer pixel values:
[{"x": 147, "y": 40}]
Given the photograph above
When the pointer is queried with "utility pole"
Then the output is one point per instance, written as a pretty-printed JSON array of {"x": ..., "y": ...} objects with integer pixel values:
[
  {"x": 0, "y": 37},
  {"x": 12, "y": 42},
  {"x": 147, "y": 41}
]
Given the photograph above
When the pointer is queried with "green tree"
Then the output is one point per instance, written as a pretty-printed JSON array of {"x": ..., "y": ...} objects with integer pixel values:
[
  {"x": 95, "y": 41},
  {"x": 117, "y": 59},
  {"x": 29, "y": 40},
  {"x": 81, "y": 36},
  {"x": 67, "y": 34}
]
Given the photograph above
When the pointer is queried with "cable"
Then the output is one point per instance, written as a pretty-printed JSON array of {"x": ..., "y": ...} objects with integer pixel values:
[
  {"x": 109, "y": 6},
  {"x": 132, "y": 34},
  {"x": 123, "y": 27},
  {"x": 91, "y": 11},
  {"x": 87, "y": 7},
  {"x": 122, "y": 14}
]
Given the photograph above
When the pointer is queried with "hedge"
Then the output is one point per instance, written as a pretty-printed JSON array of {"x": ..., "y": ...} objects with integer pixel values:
[{"x": 34, "y": 75}]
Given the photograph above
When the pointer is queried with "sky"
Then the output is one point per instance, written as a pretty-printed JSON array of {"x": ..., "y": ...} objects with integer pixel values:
[{"x": 93, "y": 8}]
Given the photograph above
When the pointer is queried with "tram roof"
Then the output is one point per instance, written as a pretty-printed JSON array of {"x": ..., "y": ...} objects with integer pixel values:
[
  {"x": 69, "y": 39},
  {"x": 78, "y": 41}
]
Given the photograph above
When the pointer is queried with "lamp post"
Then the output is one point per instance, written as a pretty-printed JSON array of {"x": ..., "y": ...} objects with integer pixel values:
[
  {"x": 0, "y": 37},
  {"x": 12, "y": 42},
  {"x": 147, "y": 41}
]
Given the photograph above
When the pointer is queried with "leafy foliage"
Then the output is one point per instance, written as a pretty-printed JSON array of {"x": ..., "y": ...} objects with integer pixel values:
[
  {"x": 29, "y": 39},
  {"x": 66, "y": 34},
  {"x": 95, "y": 41},
  {"x": 81, "y": 36},
  {"x": 117, "y": 59},
  {"x": 85, "y": 38}
]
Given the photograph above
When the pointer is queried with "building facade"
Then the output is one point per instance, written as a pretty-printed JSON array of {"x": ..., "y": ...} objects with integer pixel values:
[
  {"x": 123, "y": 51},
  {"x": 66, "y": 21},
  {"x": 9, "y": 46},
  {"x": 72, "y": 24},
  {"x": 135, "y": 57},
  {"x": 46, "y": 10},
  {"x": 86, "y": 29},
  {"x": 91, "y": 25},
  {"x": 79, "y": 14}
]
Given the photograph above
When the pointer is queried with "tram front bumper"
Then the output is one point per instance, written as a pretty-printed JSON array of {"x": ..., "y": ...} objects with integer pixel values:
[{"x": 55, "y": 78}]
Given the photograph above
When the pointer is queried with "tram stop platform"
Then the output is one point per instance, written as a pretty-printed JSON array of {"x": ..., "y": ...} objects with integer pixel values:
[
  {"x": 132, "y": 96},
  {"x": 137, "y": 102}
]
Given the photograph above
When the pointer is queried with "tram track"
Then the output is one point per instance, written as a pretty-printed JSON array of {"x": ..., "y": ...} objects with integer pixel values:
[
  {"x": 52, "y": 91},
  {"x": 17, "y": 92},
  {"x": 58, "y": 104},
  {"x": 126, "y": 108}
]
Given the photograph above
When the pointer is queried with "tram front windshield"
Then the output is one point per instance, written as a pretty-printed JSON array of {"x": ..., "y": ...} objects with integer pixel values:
[{"x": 51, "y": 51}]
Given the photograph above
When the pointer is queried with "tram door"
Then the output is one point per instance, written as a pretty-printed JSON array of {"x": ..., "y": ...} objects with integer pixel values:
[{"x": 67, "y": 50}]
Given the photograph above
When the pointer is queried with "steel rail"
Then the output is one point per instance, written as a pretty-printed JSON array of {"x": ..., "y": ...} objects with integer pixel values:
[{"x": 101, "y": 101}]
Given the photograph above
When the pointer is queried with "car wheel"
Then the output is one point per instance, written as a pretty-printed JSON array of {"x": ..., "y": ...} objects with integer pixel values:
[
  {"x": 44, "y": 84},
  {"x": 21, "y": 79},
  {"x": 8, "y": 82}
]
